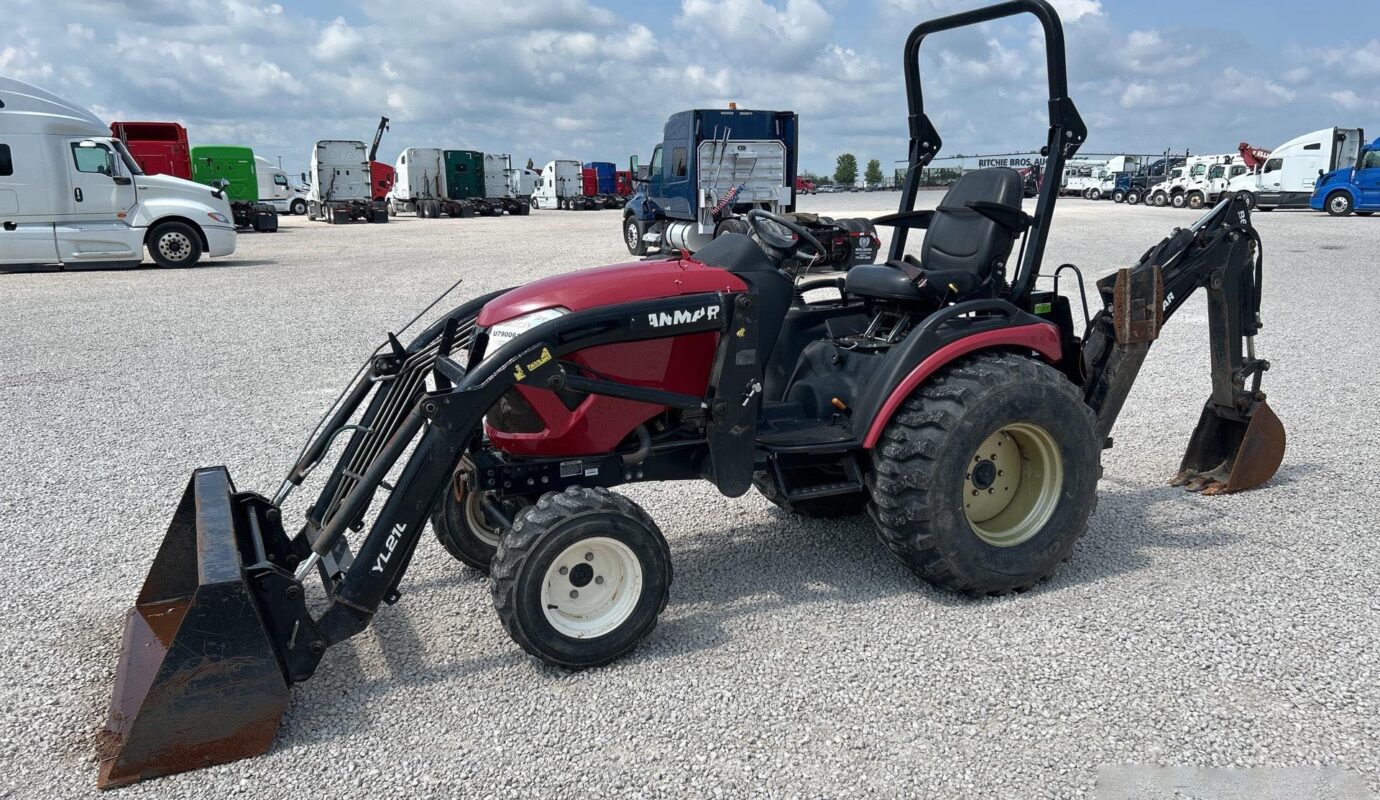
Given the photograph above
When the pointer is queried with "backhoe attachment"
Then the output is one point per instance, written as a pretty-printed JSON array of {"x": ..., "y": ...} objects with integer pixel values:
[{"x": 1239, "y": 442}]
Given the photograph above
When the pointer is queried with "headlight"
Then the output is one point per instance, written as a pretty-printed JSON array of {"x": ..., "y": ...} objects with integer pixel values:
[
  {"x": 508, "y": 330},
  {"x": 219, "y": 217}
]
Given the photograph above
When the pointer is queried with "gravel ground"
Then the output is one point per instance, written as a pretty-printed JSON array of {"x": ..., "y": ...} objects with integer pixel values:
[{"x": 796, "y": 658}]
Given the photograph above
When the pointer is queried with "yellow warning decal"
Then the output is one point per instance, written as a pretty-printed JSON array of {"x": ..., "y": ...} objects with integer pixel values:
[
  {"x": 545, "y": 357},
  {"x": 518, "y": 373}
]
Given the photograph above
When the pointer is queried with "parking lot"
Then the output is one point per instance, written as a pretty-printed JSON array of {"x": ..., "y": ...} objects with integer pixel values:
[{"x": 796, "y": 657}]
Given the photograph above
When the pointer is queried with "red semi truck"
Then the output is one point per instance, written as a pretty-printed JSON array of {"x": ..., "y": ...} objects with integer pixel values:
[{"x": 159, "y": 147}]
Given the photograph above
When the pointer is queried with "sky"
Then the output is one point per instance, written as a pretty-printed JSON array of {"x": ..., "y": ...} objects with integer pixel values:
[{"x": 595, "y": 81}]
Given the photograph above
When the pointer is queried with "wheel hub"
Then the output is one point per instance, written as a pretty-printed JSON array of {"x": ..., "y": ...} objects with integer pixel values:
[
  {"x": 1012, "y": 485},
  {"x": 591, "y": 588},
  {"x": 174, "y": 245}
]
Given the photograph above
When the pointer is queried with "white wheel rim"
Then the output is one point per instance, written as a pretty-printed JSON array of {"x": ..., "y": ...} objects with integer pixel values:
[
  {"x": 478, "y": 521},
  {"x": 632, "y": 235},
  {"x": 591, "y": 588},
  {"x": 1013, "y": 484},
  {"x": 174, "y": 245},
  {"x": 1339, "y": 204}
]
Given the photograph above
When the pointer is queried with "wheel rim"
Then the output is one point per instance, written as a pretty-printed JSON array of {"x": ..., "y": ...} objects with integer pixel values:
[
  {"x": 478, "y": 522},
  {"x": 1013, "y": 484},
  {"x": 174, "y": 245},
  {"x": 591, "y": 588},
  {"x": 1339, "y": 204},
  {"x": 631, "y": 232}
]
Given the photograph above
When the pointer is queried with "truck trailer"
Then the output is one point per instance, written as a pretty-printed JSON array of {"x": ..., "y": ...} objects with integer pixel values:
[
  {"x": 233, "y": 169},
  {"x": 341, "y": 188},
  {"x": 497, "y": 171},
  {"x": 419, "y": 186}
]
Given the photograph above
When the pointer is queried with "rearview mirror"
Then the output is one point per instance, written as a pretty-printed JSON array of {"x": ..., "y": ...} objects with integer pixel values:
[{"x": 633, "y": 162}]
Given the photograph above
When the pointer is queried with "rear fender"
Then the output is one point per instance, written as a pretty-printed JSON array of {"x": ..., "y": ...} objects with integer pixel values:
[{"x": 941, "y": 339}]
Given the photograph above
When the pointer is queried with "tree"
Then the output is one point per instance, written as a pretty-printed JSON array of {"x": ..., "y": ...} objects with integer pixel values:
[
  {"x": 873, "y": 175},
  {"x": 846, "y": 170}
]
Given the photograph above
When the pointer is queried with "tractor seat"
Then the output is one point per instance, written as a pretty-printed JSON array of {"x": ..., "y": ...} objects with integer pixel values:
[{"x": 967, "y": 241}]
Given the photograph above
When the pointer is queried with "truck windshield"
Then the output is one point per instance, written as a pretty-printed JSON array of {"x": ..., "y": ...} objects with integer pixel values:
[
  {"x": 1198, "y": 169},
  {"x": 130, "y": 163}
]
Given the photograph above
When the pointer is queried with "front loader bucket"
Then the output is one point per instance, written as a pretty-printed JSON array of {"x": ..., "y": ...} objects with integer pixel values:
[
  {"x": 198, "y": 681},
  {"x": 1230, "y": 453}
]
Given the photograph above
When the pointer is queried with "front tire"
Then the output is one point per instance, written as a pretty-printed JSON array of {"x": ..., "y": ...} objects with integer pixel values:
[
  {"x": 1338, "y": 204},
  {"x": 581, "y": 577},
  {"x": 633, "y": 230},
  {"x": 1178, "y": 201},
  {"x": 1133, "y": 198},
  {"x": 1118, "y": 196},
  {"x": 174, "y": 245},
  {"x": 1196, "y": 200},
  {"x": 987, "y": 428},
  {"x": 298, "y": 208}
]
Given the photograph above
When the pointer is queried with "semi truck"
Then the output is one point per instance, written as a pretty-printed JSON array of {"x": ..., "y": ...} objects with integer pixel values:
[
  {"x": 1289, "y": 176},
  {"x": 711, "y": 165},
  {"x": 286, "y": 195},
  {"x": 1137, "y": 186},
  {"x": 160, "y": 147},
  {"x": 340, "y": 184},
  {"x": 562, "y": 187},
  {"x": 600, "y": 181},
  {"x": 233, "y": 168},
  {"x": 419, "y": 185},
  {"x": 1352, "y": 189},
  {"x": 1174, "y": 190},
  {"x": 522, "y": 186},
  {"x": 71, "y": 193},
  {"x": 497, "y": 169}
]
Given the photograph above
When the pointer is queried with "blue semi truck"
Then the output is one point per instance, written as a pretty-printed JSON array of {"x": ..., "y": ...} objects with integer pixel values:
[
  {"x": 711, "y": 165},
  {"x": 1354, "y": 188}
]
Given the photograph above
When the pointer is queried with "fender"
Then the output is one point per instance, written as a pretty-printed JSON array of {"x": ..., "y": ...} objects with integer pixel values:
[{"x": 1042, "y": 337}]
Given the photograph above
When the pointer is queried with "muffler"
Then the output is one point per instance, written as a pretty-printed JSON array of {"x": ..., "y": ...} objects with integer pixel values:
[
  {"x": 200, "y": 680},
  {"x": 1231, "y": 452}
]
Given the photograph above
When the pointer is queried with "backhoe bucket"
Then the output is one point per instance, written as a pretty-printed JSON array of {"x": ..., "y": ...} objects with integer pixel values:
[
  {"x": 198, "y": 681},
  {"x": 1230, "y": 453}
]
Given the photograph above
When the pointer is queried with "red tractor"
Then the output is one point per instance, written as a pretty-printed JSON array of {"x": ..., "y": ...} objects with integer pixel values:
[{"x": 942, "y": 393}]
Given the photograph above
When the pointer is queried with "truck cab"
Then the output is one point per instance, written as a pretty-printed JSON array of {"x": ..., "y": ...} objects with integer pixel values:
[
  {"x": 1289, "y": 176},
  {"x": 1355, "y": 188},
  {"x": 710, "y": 165},
  {"x": 71, "y": 193},
  {"x": 286, "y": 195},
  {"x": 234, "y": 171}
]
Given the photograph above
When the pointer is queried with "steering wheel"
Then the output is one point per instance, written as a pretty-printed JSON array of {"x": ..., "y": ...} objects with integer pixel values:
[{"x": 782, "y": 237}]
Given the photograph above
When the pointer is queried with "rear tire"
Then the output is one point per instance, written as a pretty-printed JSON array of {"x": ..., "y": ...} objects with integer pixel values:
[
  {"x": 633, "y": 230},
  {"x": 298, "y": 207},
  {"x": 933, "y": 464},
  {"x": 1118, "y": 196},
  {"x": 1338, "y": 204},
  {"x": 1094, "y": 194},
  {"x": 1196, "y": 200},
  {"x": 174, "y": 245},
  {"x": 581, "y": 577},
  {"x": 1133, "y": 198}
]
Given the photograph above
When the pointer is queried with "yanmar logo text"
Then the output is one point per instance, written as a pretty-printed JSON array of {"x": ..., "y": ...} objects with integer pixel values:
[{"x": 661, "y": 319}]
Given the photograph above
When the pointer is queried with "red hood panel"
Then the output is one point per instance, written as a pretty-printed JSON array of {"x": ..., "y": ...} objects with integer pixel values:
[{"x": 605, "y": 286}]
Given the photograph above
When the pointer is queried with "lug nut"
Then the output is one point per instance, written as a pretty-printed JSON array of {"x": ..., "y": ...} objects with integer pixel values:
[
  {"x": 599, "y": 579},
  {"x": 564, "y": 570},
  {"x": 574, "y": 593},
  {"x": 589, "y": 556}
]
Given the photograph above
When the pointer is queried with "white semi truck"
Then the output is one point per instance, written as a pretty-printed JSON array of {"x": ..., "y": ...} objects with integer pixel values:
[
  {"x": 278, "y": 190},
  {"x": 1206, "y": 185},
  {"x": 72, "y": 194},
  {"x": 419, "y": 186},
  {"x": 341, "y": 189},
  {"x": 499, "y": 191},
  {"x": 1287, "y": 177},
  {"x": 561, "y": 186}
]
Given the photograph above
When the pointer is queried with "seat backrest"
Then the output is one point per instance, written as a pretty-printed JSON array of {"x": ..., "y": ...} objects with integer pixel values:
[{"x": 961, "y": 238}]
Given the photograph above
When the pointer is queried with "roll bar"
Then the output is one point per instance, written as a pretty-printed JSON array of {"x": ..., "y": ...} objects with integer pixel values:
[{"x": 1066, "y": 129}]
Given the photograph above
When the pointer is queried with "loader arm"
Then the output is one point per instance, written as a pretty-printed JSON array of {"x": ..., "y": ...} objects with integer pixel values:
[{"x": 1239, "y": 442}]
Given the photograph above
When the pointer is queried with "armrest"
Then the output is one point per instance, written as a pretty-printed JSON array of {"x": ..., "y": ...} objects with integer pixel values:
[
  {"x": 1012, "y": 219},
  {"x": 906, "y": 219}
]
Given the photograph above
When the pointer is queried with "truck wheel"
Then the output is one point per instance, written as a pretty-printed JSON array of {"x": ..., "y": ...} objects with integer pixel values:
[
  {"x": 463, "y": 527},
  {"x": 1159, "y": 199},
  {"x": 1196, "y": 199},
  {"x": 633, "y": 229},
  {"x": 532, "y": 203},
  {"x": 1133, "y": 198},
  {"x": 1094, "y": 194},
  {"x": 1338, "y": 204},
  {"x": 1249, "y": 198},
  {"x": 987, "y": 474},
  {"x": 1118, "y": 196},
  {"x": 581, "y": 577},
  {"x": 174, "y": 245},
  {"x": 1178, "y": 200},
  {"x": 298, "y": 207}
]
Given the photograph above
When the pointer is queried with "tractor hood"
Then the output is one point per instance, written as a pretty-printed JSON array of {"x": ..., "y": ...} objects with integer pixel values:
[
  {"x": 1342, "y": 175},
  {"x": 611, "y": 285}
]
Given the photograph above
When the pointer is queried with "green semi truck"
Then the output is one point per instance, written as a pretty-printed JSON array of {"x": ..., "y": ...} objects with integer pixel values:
[{"x": 232, "y": 169}]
